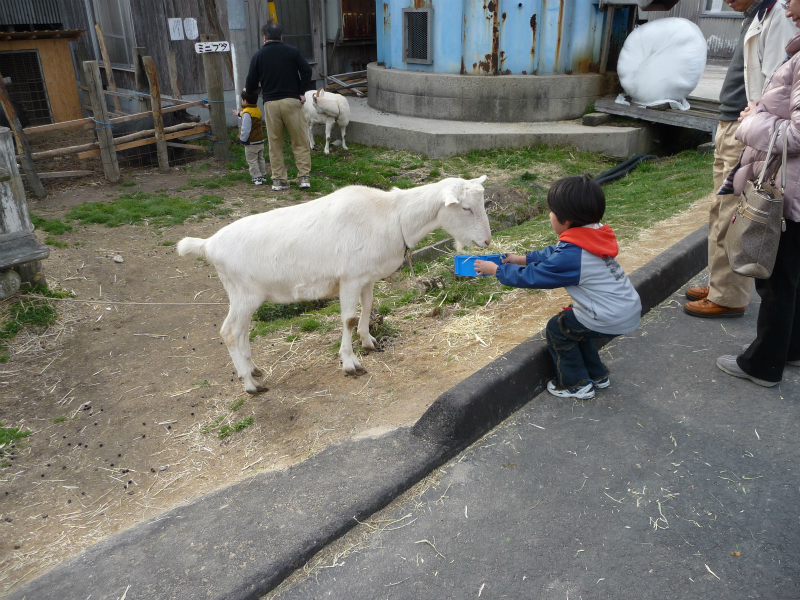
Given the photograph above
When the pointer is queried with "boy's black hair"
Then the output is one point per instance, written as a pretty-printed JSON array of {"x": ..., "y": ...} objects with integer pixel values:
[
  {"x": 272, "y": 31},
  {"x": 250, "y": 98},
  {"x": 577, "y": 199}
]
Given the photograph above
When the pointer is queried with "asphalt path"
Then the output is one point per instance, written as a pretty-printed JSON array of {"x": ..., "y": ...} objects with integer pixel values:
[{"x": 678, "y": 481}]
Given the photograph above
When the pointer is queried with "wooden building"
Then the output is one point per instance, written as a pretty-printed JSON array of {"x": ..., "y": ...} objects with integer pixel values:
[{"x": 335, "y": 36}]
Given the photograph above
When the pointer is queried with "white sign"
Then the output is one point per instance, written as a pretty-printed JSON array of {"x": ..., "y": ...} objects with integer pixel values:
[
  {"x": 202, "y": 47},
  {"x": 175, "y": 29},
  {"x": 190, "y": 26}
]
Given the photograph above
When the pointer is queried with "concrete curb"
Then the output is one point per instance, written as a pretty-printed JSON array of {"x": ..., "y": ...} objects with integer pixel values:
[{"x": 242, "y": 541}]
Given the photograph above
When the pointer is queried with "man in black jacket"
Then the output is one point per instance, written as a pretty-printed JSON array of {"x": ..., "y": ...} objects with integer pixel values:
[{"x": 284, "y": 76}]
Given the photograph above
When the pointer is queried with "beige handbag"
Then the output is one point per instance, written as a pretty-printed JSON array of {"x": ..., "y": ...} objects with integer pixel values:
[{"x": 755, "y": 230}]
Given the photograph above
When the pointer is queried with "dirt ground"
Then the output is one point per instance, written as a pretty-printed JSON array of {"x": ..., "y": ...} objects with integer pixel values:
[{"x": 137, "y": 367}]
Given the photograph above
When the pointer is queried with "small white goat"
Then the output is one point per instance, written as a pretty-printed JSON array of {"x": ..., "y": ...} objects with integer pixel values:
[
  {"x": 326, "y": 109},
  {"x": 340, "y": 244}
]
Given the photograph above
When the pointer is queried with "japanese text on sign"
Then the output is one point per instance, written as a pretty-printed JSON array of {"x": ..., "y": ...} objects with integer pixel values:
[{"x": 203, "y": 47}]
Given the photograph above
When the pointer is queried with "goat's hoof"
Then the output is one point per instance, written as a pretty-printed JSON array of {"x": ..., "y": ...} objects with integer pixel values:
[
  {"x": 355, "y": 372},
  {"x": 258, "y": 390},
  {"x": 256, "y": 372}
]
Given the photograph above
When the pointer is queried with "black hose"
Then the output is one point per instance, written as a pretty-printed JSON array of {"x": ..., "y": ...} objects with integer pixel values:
[{"x": 622, "y": 169}]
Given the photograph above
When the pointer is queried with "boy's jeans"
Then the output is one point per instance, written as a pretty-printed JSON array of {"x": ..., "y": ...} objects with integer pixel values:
[{"x": 570, "y": 343}]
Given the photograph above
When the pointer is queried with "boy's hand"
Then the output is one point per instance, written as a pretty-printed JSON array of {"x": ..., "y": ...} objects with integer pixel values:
[
  {"x": 235, "y": 112},
  {"x": 515, "y": 259},
  {"x": 485, "y": 267}
]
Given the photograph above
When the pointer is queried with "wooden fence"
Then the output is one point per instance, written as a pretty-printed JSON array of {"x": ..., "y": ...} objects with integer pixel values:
[{"x": 103, "y": 122}]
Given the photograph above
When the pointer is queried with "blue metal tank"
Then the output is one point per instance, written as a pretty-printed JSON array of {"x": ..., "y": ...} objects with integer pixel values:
[{"x": 500, "y": 37}]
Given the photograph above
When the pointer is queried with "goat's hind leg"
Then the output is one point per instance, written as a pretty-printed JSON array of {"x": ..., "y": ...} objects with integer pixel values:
[
  {"x": 342, "y": 130},
  {"x": 235, "y": 334},
  {"x": 367, "y": 341},
  {"x": 328, "y": 126}
]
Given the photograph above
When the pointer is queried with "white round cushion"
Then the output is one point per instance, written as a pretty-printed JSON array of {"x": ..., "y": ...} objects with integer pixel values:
[{"x": 662, "y": 60}]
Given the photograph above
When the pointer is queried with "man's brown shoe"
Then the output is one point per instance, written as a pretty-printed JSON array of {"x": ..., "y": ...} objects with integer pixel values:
[
  {"x": 697, "y": 293},
  {"x": 708, "y": 309}
]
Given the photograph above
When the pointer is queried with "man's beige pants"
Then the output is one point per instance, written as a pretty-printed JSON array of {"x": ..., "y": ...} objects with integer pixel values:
[
  {"x": 726, "y": 288},
  {"x": 281, "y": 115}
]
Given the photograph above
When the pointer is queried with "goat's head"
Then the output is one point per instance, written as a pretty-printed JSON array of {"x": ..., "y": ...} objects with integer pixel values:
[{"x": 464, "y": 215}]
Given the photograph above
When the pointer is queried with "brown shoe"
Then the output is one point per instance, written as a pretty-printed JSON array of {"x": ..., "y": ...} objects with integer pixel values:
[
  {"x": 708, "y": 309},
  {"x": 697, "y": 293}
]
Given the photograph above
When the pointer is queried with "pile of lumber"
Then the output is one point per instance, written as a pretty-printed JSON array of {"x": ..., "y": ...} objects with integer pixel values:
[{"x": 348, "y": 84}]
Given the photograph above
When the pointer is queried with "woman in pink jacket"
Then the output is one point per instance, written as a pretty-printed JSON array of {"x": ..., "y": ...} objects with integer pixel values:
[{"x": 777, "y": 340}]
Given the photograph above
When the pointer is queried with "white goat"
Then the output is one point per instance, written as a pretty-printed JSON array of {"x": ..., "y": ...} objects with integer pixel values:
[
  {"x": 326, "y": 109},
  {"x": 340, "y": 244}
]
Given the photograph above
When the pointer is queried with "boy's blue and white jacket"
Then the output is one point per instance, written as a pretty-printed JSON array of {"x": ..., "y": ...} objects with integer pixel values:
[{"x": 584, "y": 262}]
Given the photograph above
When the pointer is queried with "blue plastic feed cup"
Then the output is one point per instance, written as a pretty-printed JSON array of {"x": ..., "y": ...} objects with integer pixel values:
[{"x": 465, "y": 263}]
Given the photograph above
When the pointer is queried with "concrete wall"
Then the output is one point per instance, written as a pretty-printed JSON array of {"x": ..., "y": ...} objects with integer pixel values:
[{"x": 499, "y": 99}]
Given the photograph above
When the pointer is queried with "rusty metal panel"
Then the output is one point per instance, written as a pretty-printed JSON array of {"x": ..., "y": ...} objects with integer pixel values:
[
  {"x": 518, "y": 36},
  {"x": 478, "y": 20},
  {"x": 358, "y": 19}
]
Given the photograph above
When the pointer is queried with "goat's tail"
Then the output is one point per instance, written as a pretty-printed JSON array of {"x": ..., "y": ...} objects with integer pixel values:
[{"x": 193, "y": 246}]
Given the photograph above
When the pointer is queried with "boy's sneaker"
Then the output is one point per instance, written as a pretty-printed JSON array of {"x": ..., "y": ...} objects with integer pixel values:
[
  {"x": 258, "y": 181},
  {"x": 601, "y": 383},
  {"x": 305, "y": 181},
  {"x": 279, "y": 185},
  {"x": 583, "y": 392}
]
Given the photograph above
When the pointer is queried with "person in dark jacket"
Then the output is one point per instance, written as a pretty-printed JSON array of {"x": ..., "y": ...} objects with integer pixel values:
[{"x": 284, "y": 76}]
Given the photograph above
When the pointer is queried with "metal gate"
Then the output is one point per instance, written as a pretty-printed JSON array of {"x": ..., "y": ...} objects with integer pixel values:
[{"x": 22, "y": 71}]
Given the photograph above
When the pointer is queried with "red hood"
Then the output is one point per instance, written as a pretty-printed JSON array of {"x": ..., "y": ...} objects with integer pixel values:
[{"x": 600, "y": 242}]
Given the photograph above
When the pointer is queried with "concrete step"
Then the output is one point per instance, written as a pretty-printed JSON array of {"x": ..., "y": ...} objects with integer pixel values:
[{"x": 439, "y": 138}]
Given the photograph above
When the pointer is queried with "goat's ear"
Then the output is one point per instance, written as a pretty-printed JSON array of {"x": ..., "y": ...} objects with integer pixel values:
[
  {"x": 479, "y": 180},
  {"x": 450, "y": 197}
]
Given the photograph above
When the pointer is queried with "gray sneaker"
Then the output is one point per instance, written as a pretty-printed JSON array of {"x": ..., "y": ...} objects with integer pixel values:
[
  {"x": 305, "y": 181},
  {"x": 728, "y": 364},
  {"x": 258, "y": 181},
  {"x": 279, "y": 184}
]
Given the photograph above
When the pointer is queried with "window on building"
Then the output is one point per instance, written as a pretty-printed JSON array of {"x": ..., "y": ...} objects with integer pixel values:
[
  {"x": 114, "y": 17},
  {"x": 417, "y": 43},
  {"x": 719, "y": 8},
  {"x": 295, "y": 18}
]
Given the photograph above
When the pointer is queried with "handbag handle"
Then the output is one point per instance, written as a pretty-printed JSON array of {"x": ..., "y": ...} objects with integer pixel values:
[{"x": 769, "y": 158}]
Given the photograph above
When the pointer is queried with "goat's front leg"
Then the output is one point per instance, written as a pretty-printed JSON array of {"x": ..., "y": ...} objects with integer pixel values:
[
  {"x": 369, "y": 342},
  {"x": 328, "y": 126},
  {"x": 348, "y": 300}
]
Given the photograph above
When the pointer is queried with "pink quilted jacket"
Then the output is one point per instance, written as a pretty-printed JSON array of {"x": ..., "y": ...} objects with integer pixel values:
[{"x": 779, "y": 106}]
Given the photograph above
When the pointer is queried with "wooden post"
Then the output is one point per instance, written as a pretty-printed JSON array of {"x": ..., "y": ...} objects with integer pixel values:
[
  {"x": 101, "y": 41},
  {"x": 105, "y": 137},
  {"x": 22, "y": 142},
  {"x": 18, "y": 246},
  {"x": 216, "y": 108},
  {"x": 605, "y": 49},
  {"x": 213, "y": 20},
  {"x": 173, "y": 74},
  {"x": 158, "y": 119},
  {"x": 140, "y": 77}
]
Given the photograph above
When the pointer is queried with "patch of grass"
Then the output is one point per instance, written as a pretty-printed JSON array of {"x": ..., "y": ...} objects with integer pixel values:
[
  {"x": 158, "y": 209},
  {"x": 292, "y": 337},
  {"x": 54, "y": 242},
  {"x": 52, "y": 226},
  {"x": 167, "y": 243},
  {"x": 208, "y": 427},
  {"x": 228, "y": 430},
  {"x": 60, "y": 419},
  {"x": 127, "y": 184},
  {"x": 203, "y": 383},
  {"x": 309, "y": 325},
  {"x": 271, "y": 312},
  {"x": 8, "y": 438},
  {"x": 236, "y": 405}
]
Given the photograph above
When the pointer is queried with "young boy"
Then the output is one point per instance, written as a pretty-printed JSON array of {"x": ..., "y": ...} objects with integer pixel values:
[
  {"x": 251, "y": 135},
  {"x": 605, "y": 303}
]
